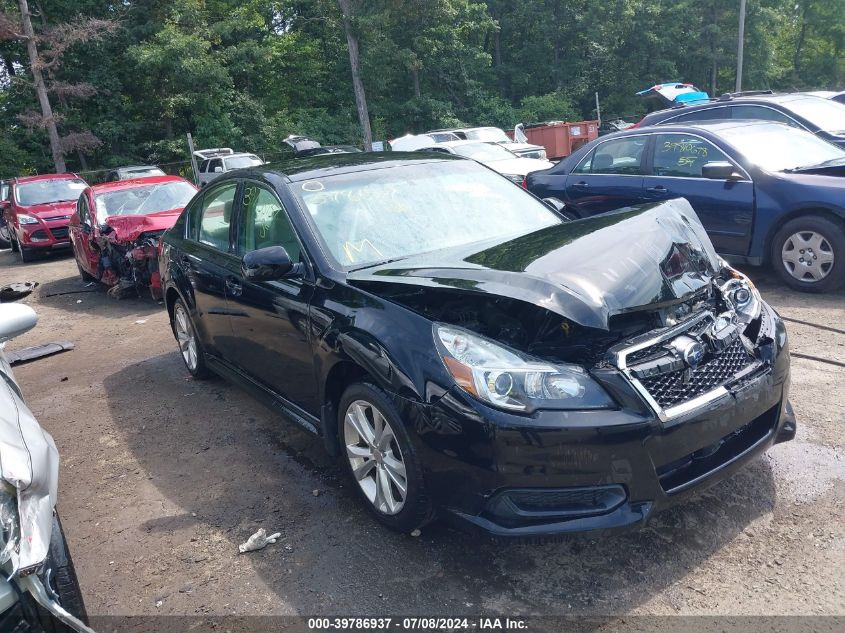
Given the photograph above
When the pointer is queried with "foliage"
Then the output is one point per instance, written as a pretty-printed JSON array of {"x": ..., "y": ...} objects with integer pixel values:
[{"x": 246, "y": 73}]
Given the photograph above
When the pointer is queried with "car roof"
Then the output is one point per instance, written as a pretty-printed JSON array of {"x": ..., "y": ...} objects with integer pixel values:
[
  {"x": 459, "y": 143},
  {"x": 332, "y": 164},
  {"x": 66, "y": 176},
  {"x": 716, "y": 127},
  {"x": 134, "y": 167},
  {"x": 135, "y": 182}
]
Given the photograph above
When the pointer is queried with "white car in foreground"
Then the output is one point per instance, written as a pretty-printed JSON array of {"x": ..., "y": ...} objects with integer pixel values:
[
  {"x": 38, "y": 586},
  {"x": 494, "y": 156}
]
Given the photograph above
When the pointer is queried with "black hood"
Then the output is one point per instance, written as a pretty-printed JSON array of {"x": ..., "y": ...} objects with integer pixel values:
[{"x": 586, "y": 271}]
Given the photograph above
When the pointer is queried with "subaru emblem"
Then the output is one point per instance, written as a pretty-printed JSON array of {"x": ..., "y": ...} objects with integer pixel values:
[{"x": 690, "y": 350}]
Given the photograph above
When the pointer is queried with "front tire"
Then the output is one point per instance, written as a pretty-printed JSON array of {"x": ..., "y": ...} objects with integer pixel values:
[
  {"x": 808, "y": 253},
  {"x": 190, "y": 347},
  {"x": 381, "y": 459},
  {"x": 26, "y": 254},
  {"x": 5, "y": 236},
  {"x": 13, "y": 241}
]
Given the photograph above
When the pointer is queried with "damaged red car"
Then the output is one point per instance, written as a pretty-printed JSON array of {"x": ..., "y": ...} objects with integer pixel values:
[{"x": 116, "y": 229}]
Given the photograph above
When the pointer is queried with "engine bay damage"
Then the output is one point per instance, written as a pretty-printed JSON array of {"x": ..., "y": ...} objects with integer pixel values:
[{"x": 129, "y": 267}]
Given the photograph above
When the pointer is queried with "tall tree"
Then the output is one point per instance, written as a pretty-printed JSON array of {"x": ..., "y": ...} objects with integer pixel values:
[{"x": 348, "y": 12}]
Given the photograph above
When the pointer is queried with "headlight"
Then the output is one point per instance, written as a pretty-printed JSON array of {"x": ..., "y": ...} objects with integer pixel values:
[
  {"x": 542, "y": 154},
  {"x": 9, "y": 526},
  {"x": 27, "y": 219},
  {"x": 514, "y": 178},
  {"x": 510, "y": 380},
  {"x": 739, "y": 291}
]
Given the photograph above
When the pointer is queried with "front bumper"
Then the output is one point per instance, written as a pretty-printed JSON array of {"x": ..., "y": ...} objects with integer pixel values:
[
  {"x": 16, "y": 606},
  {"x": 564, "y": 472},
  {"x": 45, "y": 234}
]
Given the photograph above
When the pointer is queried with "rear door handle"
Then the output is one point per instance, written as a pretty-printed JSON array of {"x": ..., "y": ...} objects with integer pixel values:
[
  {"x": 581, "y": 185},
  {"x": 657, "y": 189},
  {"x": 234, "y": 287}
]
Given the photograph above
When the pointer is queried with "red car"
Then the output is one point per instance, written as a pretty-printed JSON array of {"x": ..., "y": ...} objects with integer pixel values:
[
  {"x": 116, "y": 228},
  {"x": 37, "y": 211}
]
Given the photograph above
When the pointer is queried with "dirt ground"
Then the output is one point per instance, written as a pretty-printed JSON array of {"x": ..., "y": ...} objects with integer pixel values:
[{"x": 163, "y": 476}]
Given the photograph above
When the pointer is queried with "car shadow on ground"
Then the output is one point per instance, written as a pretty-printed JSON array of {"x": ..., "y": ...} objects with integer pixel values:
[{"x": 215, "y": 452}]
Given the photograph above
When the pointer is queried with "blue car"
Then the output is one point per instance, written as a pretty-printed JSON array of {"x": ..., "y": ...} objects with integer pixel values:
[{"x": 767, "y": 193}]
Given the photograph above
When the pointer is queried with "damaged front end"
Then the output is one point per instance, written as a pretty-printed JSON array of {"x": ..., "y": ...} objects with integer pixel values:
[
  {"x": 129, "y": 266},
  {"x": 29, "y": 528}
]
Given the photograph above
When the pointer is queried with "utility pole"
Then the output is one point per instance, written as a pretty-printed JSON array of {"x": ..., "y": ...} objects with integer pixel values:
[
  {"x": 355, "y": 64},
  {"x": 739, "y": 46},
  {"x": 598, "y": 109},
  {"x": 193, "y": 159},
  {"x": 41, "y": 89}
]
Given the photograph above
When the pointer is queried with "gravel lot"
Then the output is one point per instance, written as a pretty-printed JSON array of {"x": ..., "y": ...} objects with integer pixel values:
[{"x": 162, "y": 477}]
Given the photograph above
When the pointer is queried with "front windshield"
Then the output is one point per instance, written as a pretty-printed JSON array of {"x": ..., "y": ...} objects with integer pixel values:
[
  {"x": 242, "y": 161},
  {"x": 144, "y": 199},
  {"x": 488, "y": 135},
  {"x": 780, "y": 147},
  {"x": 484, "y": 152},
  {"x": 46, "y": 191},
  {"x": 385, "y": 214},
  {"x": 827, "y": 115}
]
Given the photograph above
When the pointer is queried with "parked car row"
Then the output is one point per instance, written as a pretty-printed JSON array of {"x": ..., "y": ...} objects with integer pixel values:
[{"x": 766, "y": 192}]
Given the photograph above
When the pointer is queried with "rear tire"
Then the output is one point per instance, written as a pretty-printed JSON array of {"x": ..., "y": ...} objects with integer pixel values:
[
  {"x": 190, "y": 348},
  {"x": 808, "y": 254},
  {"x": 375, "y": 444}
]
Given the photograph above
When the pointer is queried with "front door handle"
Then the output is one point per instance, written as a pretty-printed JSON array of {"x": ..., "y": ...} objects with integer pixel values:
[
  {"x": 657, "y": 189},
  {"x": 581, "y": 185},
  {"x": 234, "y": 287}
]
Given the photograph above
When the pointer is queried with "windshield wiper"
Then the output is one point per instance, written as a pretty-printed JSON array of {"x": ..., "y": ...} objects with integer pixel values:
[
  {"x": 825, "y": 163},
  {"x": 374, "y": 264}
]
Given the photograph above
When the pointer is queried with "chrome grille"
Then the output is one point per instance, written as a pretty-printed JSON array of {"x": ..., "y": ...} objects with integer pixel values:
[
  {"x": 675, "y": 387},
  {"x": 674, "y": 384}
]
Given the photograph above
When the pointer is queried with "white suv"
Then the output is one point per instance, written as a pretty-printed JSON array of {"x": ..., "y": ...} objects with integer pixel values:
[{"x": 220, "y": 160}]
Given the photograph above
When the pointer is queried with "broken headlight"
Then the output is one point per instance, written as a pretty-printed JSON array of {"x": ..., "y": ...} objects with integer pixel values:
[
  {"x": 739, "y": 291},
  {"x": 9, "y": 524},
  {"x": 510, "y": 380}
]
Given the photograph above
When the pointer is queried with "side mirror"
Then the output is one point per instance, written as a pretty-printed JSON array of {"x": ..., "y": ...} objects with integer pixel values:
[
  {"x": 218, "y": 170},
  {"x": 720, "y": 170},
  {"x": 268, "y": 264},
  {"x": 15, "y": 319}
]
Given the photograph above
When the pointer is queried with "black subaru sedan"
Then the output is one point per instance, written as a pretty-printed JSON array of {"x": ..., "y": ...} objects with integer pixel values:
[{"x": 467, "y": 352}]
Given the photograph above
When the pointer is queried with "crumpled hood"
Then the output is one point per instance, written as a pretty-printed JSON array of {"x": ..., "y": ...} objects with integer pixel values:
[
  {"x": 127, "y": 228},
  {"x": 29, "y": 462},
  {"x": 586, "y": 271},
  {"x": 53, "y": 209},
  {"x": 521, "y": 147}
]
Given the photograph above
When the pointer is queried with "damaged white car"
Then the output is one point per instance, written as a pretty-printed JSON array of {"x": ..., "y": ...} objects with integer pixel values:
[{"x": 39, "y": 590}]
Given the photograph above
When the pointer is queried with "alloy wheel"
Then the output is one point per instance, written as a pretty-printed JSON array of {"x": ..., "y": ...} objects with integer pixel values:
[
  {"x": 807, "y": 256},
  {"x": 375, "y": 457},
  {"x": 185, "y": 337}
]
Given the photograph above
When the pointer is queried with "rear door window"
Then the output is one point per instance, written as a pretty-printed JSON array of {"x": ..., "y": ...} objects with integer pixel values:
[
  {"x": 622, "y": 156},
  {"x": 706, "y": 114}
]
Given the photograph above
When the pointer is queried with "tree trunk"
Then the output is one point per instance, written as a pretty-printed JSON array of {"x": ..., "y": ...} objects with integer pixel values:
[
  {"x": 357, "y": 83},
  {"x": 415, "y": 77},
  {"x": 41, "y": 89}
]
